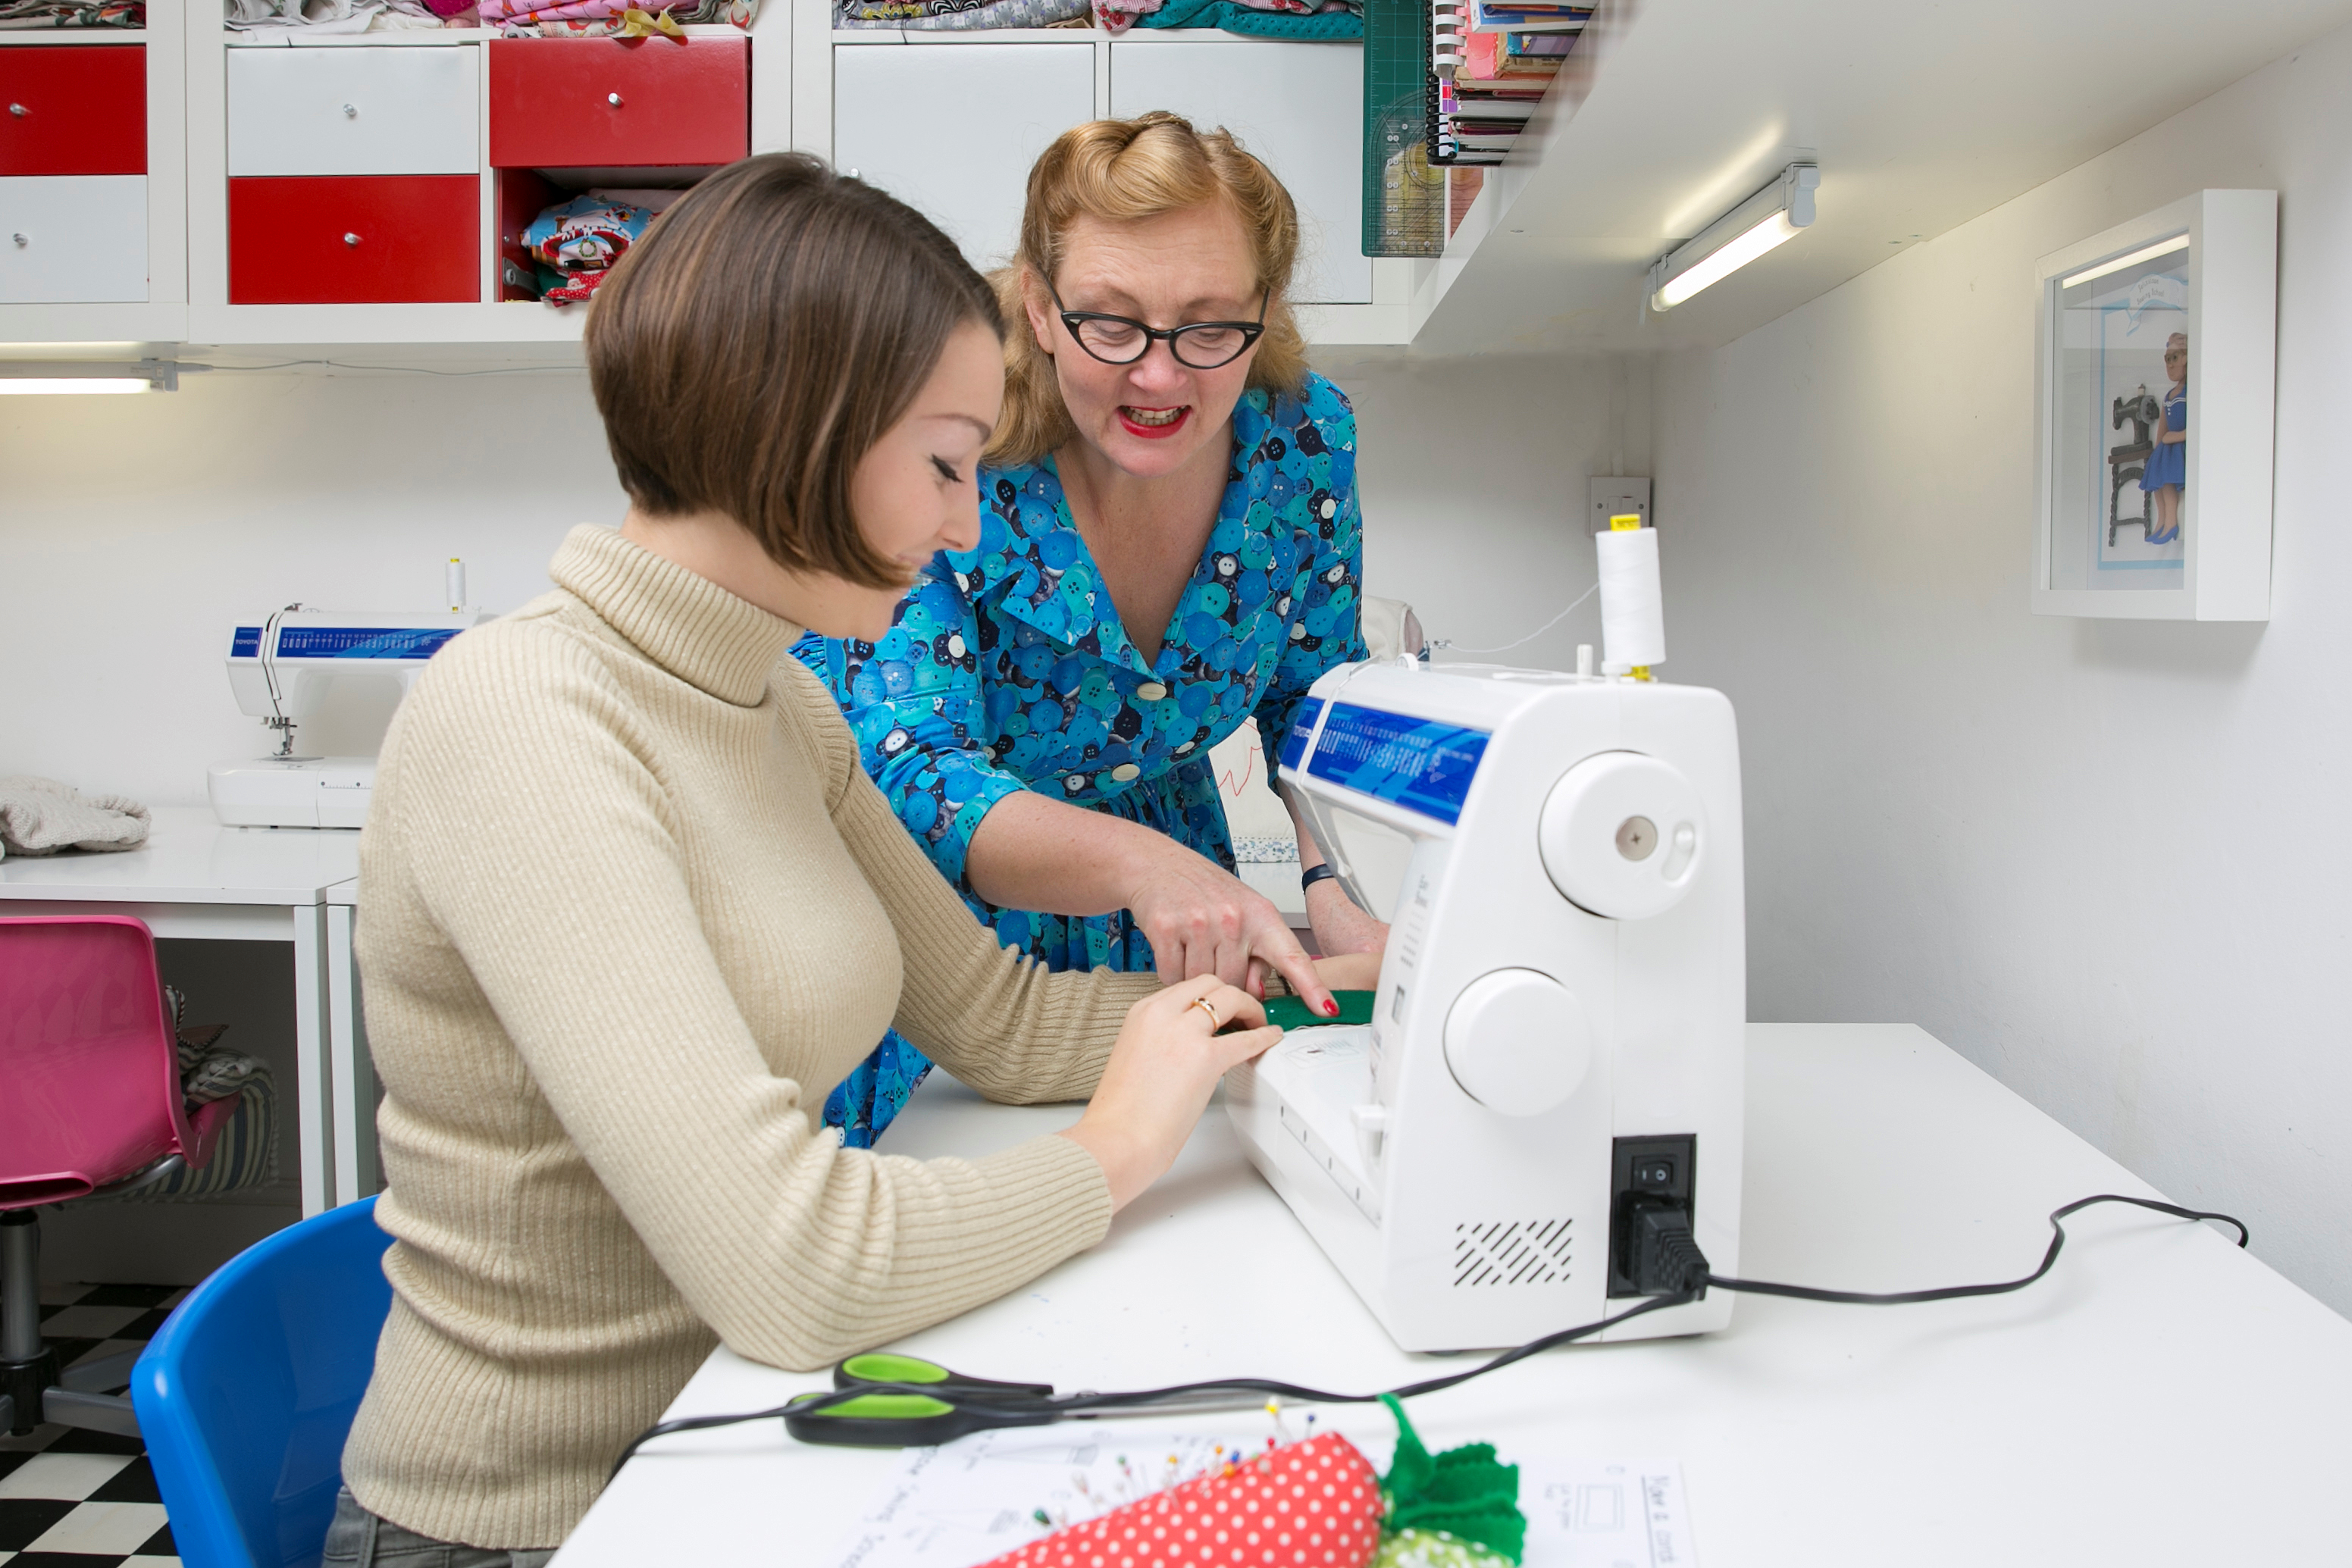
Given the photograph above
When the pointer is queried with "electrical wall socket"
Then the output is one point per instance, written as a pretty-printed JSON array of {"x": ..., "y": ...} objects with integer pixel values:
[{"x": 1614, "y": 497}]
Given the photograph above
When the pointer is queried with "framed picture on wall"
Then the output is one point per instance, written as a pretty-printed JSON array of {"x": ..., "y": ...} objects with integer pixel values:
[{"x": 2154, "y": 356}]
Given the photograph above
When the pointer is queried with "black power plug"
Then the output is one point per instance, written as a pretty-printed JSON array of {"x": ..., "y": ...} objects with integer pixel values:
[
  {"x": 1653, "y": 1199},
  {"x": 1667, "y": 1258}
]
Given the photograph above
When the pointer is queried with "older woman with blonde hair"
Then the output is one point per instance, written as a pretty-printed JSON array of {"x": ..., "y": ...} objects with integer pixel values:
[{"x": 1168, "y": 549}]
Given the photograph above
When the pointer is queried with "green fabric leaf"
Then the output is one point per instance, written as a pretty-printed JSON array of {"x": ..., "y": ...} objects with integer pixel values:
[{"x": 1461, "y": 1492}]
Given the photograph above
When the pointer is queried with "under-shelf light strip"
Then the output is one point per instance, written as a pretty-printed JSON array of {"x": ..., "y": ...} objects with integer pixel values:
[
  {"x": 1764, "y": 221},
  {"x": 86, "y": 378}
]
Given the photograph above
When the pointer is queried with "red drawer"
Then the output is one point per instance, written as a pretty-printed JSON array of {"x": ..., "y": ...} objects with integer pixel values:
[
  {"x": 580, "y": 103},
  {"x": 79, "y": 108},
  {"x": 354, "y": 239}
]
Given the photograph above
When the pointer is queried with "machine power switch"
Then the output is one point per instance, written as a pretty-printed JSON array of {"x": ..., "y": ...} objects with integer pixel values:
[{"x": 1517, "y": 1041}]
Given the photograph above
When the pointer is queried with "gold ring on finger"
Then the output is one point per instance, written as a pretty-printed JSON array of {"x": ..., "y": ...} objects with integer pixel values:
[{"x": 1215, "y": 1023}]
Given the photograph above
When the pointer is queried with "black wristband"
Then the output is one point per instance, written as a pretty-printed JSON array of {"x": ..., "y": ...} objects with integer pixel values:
[{"x": 1308, "y": 878}]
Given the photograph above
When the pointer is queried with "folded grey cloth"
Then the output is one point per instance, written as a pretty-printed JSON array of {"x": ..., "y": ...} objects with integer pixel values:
[{"x": 41, "y": 816}]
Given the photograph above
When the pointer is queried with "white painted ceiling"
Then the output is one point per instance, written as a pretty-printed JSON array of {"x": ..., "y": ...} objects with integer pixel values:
[{"x": 1922, "y": 113}]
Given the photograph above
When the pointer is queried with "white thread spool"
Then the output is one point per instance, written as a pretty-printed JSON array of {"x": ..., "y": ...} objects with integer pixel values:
[
  {"x": 1632, "y": 611},
  {"x": 456, "y": 584}
]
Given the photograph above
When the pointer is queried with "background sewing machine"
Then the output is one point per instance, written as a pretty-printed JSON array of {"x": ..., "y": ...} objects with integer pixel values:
[
  {"x": 281, "y": 669},
  {"x": 1556, "y": 1041},
  {"x": 2128, "y": 463}
]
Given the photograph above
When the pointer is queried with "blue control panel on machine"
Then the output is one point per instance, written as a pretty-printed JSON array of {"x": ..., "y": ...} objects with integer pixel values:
[
  {"x": 1424, "y": 764},
  {"x": 343, "y": 642}
]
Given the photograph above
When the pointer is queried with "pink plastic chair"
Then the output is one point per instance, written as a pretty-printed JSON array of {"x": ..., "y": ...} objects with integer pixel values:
[{"x": 90, "y": 1106}]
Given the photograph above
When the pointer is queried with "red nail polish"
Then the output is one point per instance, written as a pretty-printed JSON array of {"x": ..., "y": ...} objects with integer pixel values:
[{"x": 1331, "y": 1008}]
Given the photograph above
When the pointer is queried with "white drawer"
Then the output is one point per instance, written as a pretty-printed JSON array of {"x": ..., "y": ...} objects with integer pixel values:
[
  {"x": 359, "y": 110},
  {"x": 73, "y": 239}
]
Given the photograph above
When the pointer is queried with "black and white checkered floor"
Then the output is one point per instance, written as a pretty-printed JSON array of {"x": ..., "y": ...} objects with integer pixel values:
[{"x": 87, "y": 1500}]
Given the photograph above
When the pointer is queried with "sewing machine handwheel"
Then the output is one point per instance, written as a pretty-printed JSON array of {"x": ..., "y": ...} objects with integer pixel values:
[{"x": 1622, "y": 835}]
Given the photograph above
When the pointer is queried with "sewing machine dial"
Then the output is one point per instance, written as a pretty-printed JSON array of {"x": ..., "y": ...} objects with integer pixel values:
[
  {"x": 1517, "y": 1041},
  {"x": 1622, "y": 835}
]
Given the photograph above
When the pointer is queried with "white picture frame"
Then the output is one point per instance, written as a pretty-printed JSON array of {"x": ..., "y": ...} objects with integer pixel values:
[{"x": 2197, "y": 278}]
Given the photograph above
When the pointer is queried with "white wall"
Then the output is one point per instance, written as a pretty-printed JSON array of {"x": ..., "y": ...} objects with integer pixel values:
[
  {"x": 1473, "y": 474},
  {"x": 136, "y": 530},
  {"x": 2105, "y": 860}
]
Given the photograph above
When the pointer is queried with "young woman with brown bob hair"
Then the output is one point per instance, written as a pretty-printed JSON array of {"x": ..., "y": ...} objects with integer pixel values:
[
  {"x": 633, "y": 906},
  {"x": 1168, "y": 550}
]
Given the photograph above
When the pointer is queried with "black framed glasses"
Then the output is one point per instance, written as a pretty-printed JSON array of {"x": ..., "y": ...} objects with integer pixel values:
[{"x": 1123, "y": 340}]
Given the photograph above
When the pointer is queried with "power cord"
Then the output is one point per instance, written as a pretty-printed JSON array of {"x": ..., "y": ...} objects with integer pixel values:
[{"x": 1671, "y": 1271}]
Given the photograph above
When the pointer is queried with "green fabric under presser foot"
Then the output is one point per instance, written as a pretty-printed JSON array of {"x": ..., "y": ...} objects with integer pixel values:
[{"x": 1292, "y": 1012}]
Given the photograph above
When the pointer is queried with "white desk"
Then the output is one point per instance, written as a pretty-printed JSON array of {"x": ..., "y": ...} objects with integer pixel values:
[
  {"x": 197, "y": 879},
  {"x": 2162, "y": 1398}
]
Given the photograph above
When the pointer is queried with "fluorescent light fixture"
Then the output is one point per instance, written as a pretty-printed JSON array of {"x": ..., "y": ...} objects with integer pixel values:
[
  {"x": 2146, "y": 252},
  {"x": 35, "y": 386},
  {"x": 31, "y": 378},
  {"x": 1770, "y": 217}
]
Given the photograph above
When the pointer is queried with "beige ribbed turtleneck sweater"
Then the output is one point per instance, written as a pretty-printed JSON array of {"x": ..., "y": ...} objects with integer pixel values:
[{"x": 632, "y": 908}]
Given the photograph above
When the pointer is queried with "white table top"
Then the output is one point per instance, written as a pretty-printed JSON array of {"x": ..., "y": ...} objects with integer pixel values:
[
  {"x": 2161, "y": 1398},
  {"x": 190, "y": 858}
]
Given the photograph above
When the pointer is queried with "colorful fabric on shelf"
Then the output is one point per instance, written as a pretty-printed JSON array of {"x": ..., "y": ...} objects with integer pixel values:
[
  {"x": 614, "y": 18},
  {"x": 327, "y": 16},
  {"x": 575, "y": 244},
  {"x": 952, "y": 17},
  {"x": 23, "y": 16},
  {"x": 1331, "y": 19},
  {"x": 1118, "y": 16}
]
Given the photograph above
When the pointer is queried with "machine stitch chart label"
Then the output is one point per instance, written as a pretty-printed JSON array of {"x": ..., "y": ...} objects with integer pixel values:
[
  {"x": 342, "y": 643},
  {"x": 1421, "y": 764},
  {"x": 1302, "y": 730}
]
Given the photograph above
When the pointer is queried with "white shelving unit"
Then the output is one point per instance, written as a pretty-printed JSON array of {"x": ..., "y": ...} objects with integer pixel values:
[
  {"x": 153, "y": 304},
  {"x": 532, "y": 330},
  {"x": 918, "y": 112},
  {"x": 955, "y": 132}
]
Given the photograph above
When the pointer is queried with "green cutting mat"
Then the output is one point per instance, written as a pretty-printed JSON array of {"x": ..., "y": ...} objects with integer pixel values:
[{"x": 1404, "y": 198}]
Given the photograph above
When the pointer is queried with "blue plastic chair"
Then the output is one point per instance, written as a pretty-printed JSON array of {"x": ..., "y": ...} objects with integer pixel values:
[{"x": 245, "y": 1396}]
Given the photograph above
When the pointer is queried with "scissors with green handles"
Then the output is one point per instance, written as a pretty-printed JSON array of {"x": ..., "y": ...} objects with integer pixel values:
[
  {"x": 883, "y": 1401},
  {"x": 912, "y": 1403}
]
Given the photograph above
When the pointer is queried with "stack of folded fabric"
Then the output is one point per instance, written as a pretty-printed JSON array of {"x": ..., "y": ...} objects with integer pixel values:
[
  {"x": 611, "y": 18},
  {"x": 19, "y": 16},
  {"x": 348, "y": 16},
  {"x": 960, "y": 16},
  {"x": 1257, "y": 18}
]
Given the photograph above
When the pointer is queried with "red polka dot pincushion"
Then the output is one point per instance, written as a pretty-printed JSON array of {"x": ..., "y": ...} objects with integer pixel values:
[{"x": 1315, "y": 1504}]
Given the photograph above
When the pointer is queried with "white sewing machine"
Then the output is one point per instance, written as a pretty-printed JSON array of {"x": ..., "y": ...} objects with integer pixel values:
[
  {"x": 280, "y": 669},
  {"x": 1557, "y": 1039}
]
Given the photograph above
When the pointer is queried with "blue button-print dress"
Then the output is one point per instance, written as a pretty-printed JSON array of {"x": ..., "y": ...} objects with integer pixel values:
[{"x": 1008, "y": 669}]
